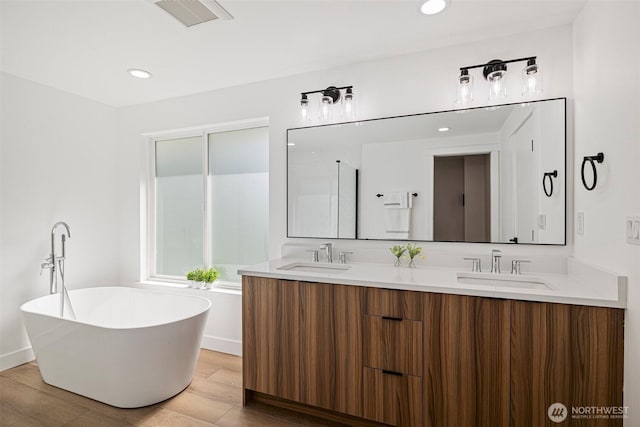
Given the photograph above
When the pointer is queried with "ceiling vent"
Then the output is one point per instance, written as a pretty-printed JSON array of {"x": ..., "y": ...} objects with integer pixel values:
[{"x": 193, "y": 12}]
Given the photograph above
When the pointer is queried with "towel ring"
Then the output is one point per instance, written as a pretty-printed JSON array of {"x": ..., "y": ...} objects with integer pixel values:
[
  {"x": 382, "y": 195},
  {"x": 549, "y": 175},
  {"x": 598, "y": 158}
]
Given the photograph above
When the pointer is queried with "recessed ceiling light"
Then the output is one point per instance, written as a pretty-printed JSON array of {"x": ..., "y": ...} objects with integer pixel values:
[
  {"x": 141, "y": 74},
  {"x": 445, "y": 129},
  {"x": 431, "y": 7},
  {"x": 291, "y": 144}
]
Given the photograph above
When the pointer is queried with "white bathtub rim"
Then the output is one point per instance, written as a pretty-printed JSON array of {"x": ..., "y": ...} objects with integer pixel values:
[{"x": 25, "y": 310}]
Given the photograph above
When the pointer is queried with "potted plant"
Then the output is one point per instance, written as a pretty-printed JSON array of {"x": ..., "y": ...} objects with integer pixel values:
[
  {"x": 413, "y": 250},
  {"x": 195, "y": 278},
  {"x": 209, "y": 276},
  {"x": 397, "y": 251}
]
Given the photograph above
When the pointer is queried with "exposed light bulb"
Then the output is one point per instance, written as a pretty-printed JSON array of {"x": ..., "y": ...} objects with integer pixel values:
[
  {"x": 304, "y": 108},
  {"x": 531, "y": 79},
  {"x": 497, "y": 85},
  {"x": 349, "y": 105},
  {"x": 432, "y": 7},
  {"x": 464, "y": 92},
  {"x": 325, "y": 107}
]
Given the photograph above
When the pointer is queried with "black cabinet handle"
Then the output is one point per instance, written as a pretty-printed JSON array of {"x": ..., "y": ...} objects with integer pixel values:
[
  {"x": 397, "y": 374},
  {"x": 395, "y": 319}
]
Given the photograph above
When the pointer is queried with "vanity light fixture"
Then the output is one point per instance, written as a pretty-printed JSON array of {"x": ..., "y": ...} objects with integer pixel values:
[
  {"x": 495, "y": 73},
  {"x": 330, "y": 98},
  {"x": 464, "y": 88},
  {"x": 432, "y": 7},
  {"x": 141, "y": 74}
]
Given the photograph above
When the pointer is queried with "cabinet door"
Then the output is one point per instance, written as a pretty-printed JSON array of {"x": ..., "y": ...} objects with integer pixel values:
[
  {"x": 392, "y": 398},
  {"x": 270, "y": 342},
  {"x": 565, "y": 354},
  {"x": 466, "y": 356},
  {"x": 331, "y": 347}
]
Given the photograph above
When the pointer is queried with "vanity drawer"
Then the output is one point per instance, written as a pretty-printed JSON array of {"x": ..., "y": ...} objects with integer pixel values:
[
  {"x": 391, "y": 398},
  {"x": 390, "y": 303},
  {"x": 392, "y": 344}
]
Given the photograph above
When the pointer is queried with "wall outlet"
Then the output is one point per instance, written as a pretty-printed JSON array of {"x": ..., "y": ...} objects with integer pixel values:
[
  {"x": 580, "y": 223},
  {"x": 632, "y": 230}
]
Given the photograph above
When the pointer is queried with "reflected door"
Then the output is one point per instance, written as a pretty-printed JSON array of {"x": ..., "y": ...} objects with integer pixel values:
[
  {"x": 462, "y": 198},
  {"x": 526, "y": 197}
]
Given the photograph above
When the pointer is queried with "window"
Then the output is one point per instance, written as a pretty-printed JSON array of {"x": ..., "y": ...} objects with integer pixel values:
[{"x": 209, "y": 204}]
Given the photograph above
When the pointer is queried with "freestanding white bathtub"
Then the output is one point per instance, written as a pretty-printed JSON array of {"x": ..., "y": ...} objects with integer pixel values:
[{"x": 128, "y": 347}]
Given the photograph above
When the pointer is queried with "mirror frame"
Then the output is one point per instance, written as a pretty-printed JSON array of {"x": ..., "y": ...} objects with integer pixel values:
[{"x": 564, "y": 243}]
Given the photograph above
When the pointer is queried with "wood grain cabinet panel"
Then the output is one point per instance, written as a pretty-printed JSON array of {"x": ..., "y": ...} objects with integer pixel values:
[
  {"x": 568, "y": 354},
  {"x": 331, "y": 347},
  {"x": 466, "y": 356},
  {"x": 394, "y": 345},
  {"x": 270, "y": 342},
  {"x": 390, "y": 303},
  {"x": 392, "y": 399}
]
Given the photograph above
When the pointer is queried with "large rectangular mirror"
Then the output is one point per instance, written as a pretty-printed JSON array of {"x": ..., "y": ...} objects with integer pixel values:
[{"x": 494, "y": 174}]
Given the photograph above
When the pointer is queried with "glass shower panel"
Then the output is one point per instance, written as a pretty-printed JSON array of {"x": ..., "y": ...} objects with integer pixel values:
[
  {"x": 239, "y": 191},
  {"x": 179, "y": 202},
  {"x": 347, "y": 199}
]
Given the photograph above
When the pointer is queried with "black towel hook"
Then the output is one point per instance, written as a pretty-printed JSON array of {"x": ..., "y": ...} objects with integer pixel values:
[
  {"x": 598, "y": 158},
  {"x": 549, "y": 175}
]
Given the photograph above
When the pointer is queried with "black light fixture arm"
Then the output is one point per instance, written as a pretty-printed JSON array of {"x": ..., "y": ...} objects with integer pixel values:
[
  {"x": 322, "y": 91},
  {"x": 470, "y": 67}
]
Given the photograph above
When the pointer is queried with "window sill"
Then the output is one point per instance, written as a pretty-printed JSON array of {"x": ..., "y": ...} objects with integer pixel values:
[{"x": 223, "y": 287}]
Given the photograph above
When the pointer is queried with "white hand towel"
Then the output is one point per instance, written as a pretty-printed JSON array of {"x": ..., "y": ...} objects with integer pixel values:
[
  {"x": 397, "y": 223},
  {"x": 402, "y": 199}
]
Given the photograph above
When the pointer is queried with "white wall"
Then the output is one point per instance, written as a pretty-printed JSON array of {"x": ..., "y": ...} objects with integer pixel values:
[
  {"x": 402, "y": 85},
  {"x": 58, "y": 162},
  {"x": 607, "y": 119}
]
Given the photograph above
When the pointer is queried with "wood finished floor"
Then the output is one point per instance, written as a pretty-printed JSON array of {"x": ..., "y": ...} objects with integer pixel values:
[{"x": 213, "y": 399}]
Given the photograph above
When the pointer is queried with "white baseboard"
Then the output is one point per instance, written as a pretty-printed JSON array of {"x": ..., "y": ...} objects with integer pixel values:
[
  {"x": 222, "y": 345},
  {"x": 16, "y": 358}
]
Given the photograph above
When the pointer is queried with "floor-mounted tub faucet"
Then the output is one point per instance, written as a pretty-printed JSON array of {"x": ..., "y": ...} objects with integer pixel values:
[{"x": 55, "y": 264}]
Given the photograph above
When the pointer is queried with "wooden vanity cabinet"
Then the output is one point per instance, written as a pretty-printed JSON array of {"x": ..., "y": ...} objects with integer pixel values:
[
  {"x": 393, "y": 360},
  {"x": 466, "y": 361},
  {"x": 271, "y": 336},
  {"x": 331, "y": 347},
  {"x": 570, "y": 354},
  {"x": 363, "y": 356}
]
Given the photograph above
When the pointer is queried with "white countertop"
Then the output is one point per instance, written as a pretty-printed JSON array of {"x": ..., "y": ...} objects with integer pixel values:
[{"x": 582, "y": 286}]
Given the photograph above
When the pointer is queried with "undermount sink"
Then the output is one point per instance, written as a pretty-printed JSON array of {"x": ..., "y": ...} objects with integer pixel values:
[
  {"x": 314, "y": 267},
  {"x": 503, "y": 280}
]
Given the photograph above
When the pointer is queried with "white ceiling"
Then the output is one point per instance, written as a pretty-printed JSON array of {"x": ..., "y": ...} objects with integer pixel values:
[{"x": 86, "y": 46}]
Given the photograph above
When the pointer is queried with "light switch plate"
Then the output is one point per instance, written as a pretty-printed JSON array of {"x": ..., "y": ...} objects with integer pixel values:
[
  {"x": 542, "y": 221},
  {"x": 580, "y": 223},
  {"x": 632, "y": 230}
]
